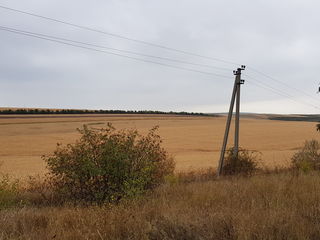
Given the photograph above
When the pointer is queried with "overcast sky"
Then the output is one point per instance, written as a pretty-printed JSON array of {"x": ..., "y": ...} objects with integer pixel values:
[{"x": 279, "y": 38}]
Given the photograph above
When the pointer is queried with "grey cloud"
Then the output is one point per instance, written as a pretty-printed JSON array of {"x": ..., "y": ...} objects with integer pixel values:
[{"x": 277, "y": 37}]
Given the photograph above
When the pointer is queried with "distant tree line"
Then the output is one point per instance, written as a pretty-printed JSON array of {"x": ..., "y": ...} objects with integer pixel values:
[
  {"x": 303, "y": 118},
  {"x": 75, "y": 111}
]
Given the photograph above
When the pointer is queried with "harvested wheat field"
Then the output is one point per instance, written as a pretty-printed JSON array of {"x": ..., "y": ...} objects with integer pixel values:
[{"x": 193, "y": 141}]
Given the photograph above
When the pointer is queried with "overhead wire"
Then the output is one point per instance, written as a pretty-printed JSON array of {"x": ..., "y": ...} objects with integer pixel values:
[
  {"x": 116, "y": 49},
  {"x": 279, "y": 92},
  {"x": 112, "y": 53},
  {"x": 116, "y": 35},
  {"x": 257, "y": 83},
  {"x": 148, "y": 43},
  {"x": 145, "y": 43},
  {"x": 282, "y": 83}
]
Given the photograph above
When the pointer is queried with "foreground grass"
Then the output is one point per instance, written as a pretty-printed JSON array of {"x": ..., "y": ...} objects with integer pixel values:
[{"x": 272, "y": 206}]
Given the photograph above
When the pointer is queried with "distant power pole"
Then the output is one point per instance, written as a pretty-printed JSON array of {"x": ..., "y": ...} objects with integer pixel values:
[{"x": 235, "y": 96}]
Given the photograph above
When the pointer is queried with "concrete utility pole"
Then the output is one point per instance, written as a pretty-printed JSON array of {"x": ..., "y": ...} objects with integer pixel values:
[{"x": 235, "y": 94}]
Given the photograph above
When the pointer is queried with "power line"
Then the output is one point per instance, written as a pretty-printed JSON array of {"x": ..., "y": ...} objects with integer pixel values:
[
  {"x": 147, "y": 43},
  {"x": 257, "y": 83},
  {"x": 280, "y": 93},
  {"x": 115, "y": 49},
  {"x": 116, "y": 35},
  {"x": 111, "y": 53},
  {"x": 277, "y": 89},
  {"x": 283, "y": 83}
]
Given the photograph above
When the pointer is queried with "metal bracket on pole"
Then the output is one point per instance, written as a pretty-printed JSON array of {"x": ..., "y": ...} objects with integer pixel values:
[{"x": 235, "y": 96}]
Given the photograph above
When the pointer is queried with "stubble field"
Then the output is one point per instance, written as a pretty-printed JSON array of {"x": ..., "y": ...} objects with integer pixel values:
[{"x": 194, "y": 142}]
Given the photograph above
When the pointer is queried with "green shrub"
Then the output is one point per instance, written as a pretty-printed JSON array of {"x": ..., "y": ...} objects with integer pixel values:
[
  {"x": 308, "y": 157},
  {"x": 105, "y": 165},
  {"x": 246, "y": 163}
]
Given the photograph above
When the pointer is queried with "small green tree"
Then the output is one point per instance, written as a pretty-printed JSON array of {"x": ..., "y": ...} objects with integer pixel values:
[
  {"x": 308, "y": 157},
  {"x": 245, "y": 163},
  {"x": 106, "y": 165}
]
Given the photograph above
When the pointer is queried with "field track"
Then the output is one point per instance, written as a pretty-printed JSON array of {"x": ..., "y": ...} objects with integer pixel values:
[{"x": 194, "y": 141}]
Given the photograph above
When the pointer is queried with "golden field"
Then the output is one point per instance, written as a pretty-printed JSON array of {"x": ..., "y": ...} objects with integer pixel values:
[{"x": 193, "y": 141}]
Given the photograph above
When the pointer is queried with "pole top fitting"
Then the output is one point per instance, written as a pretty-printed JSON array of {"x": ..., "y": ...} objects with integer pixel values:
[{"x": 238, "y": 71}]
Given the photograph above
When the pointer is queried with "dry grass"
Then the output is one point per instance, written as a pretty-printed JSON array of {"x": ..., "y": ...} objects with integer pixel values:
[
  {"x": 273, "y": 206},
  {"x": 194, "y": 142}
]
